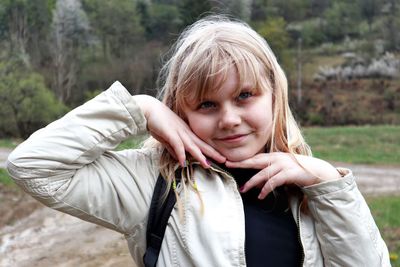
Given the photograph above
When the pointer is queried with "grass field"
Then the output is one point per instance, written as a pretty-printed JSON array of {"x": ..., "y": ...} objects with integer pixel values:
[
  {"x": 366, "y": 144},
  {"x": 5, "y": 178},
  {"x": 9, "y": 143},
  {"x": 386, "y": 211}
]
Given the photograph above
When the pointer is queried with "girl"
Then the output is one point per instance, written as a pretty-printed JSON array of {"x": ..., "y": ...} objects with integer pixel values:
[{"x": 251, "y": 192}]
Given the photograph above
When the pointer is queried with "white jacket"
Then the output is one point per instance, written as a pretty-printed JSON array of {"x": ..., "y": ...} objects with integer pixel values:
[{"x": 70, "y": 166}]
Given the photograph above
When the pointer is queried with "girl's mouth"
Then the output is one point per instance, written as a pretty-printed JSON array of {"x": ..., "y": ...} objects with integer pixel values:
[{"x": 233, "y": 138}]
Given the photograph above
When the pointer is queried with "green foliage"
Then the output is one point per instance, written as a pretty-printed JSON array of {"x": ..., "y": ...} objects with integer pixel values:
[
  {"x": 27, "y": 104},
  {"x": 191, "y": 10},
  {"x": 312, "y": 33},
  {"x": 39, "y": 21},
  {"x": 315, "y": 118},
  {"x": 132, "y": 143},
  {"x": 273, "y": 30},
  {"x": 5, "y": 179},
  {"x": 25, "y": 24},
  {"x": 236, "y": 8},
  {"x": 165, "y": 21},
  {"x": 117, "y": 25},
  {"x": 369, "y": 9},
  {"x": 367, "y": 144},
  {"x": 3, "y": 19},
  {"x": 9, "y": 143},
  {"x": 341, "y": 20},
  {"x": 293, "y": 10},
  {"x": 391, "y": 24},
  {"x": 386, "y": 212}
]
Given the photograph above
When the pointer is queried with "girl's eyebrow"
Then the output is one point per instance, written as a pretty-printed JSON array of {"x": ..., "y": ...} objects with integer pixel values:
[{"x": 248, "y": 87}]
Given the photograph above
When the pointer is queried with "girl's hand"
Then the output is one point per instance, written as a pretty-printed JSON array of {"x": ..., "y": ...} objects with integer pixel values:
[
  {"x": 169, "y": 129},
  {"x": 280, "y": 168}
]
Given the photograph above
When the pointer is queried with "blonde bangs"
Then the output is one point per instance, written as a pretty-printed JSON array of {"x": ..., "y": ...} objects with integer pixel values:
[
  {"x": 207, "y": 71},
  {"x": 203, "y": 73},
  {"x": 250, "y": 70}
]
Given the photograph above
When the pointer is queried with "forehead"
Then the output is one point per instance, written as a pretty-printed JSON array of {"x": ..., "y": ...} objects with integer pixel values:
[
  {"x": 235, "y": 75},
  {"x": 228, "y": 83}
]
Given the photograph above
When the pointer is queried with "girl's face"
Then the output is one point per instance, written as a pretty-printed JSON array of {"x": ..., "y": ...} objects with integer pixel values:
[{"x": 238, "y": 125}]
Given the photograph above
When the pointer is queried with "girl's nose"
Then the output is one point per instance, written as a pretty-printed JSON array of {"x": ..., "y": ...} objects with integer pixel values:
[{"x": 229, "y": 118}]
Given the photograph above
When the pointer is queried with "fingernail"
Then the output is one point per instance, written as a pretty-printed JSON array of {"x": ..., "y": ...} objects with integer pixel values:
[
  {"x": 241, "y": 189},
  {"x": 185, "y": 164},
  {"x": 208, "y": 162}
]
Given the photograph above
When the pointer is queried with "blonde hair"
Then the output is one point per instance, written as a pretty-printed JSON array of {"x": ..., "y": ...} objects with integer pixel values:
[{"x": 205, "y": 51}]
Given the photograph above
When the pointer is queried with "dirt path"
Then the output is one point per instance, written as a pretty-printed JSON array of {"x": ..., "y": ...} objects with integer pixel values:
[
  {"x": 50, "y": 238},
  {"x": 375, "y": 180}
]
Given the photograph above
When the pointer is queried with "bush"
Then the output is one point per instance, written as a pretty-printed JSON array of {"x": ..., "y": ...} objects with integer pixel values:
[
  {"x": 316, "y": 119},
  {"x": 27, "y": 104},
  {"x": 312, "y": 34}
]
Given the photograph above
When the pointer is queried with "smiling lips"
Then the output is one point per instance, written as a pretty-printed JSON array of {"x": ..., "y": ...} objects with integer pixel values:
[{"x": 233, "y": 138}]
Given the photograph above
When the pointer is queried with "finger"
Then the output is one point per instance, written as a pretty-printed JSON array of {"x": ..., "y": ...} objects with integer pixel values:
[
  {"x": 208, "y": 150},
  {"x": 275, "y": 181},
  {"x": 260, "y": 178},
  {"x": 195, "y": 151},
  {"x": 178, "y": 147},
  {"x": 170, "y": 149},
  {"x": 258, "y": 161}
]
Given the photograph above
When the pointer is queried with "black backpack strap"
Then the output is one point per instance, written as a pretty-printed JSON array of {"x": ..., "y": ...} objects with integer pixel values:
[{"x": 159, "y": 214}]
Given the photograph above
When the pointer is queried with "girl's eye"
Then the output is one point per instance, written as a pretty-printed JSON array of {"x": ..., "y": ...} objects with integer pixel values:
[
  {"x": 244, "y": 95},
  {"x": 206, "y": 105}
]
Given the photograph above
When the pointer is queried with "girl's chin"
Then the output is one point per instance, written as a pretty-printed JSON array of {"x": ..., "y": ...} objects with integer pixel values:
[{"x": 235, "y": 157}]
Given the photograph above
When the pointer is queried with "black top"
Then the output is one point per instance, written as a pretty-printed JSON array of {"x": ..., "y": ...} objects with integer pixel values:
[{"x": 272, "y": 237}]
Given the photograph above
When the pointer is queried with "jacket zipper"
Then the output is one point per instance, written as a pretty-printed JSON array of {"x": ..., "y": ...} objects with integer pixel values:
[
  {"x": 299, "y": 234},
  {"x": 220, "y": 170}
]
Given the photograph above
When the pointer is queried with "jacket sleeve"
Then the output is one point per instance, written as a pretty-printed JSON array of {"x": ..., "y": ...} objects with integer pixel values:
[
  {"x": 69, "y": 165},
  {"x": 345, "y": 228}
]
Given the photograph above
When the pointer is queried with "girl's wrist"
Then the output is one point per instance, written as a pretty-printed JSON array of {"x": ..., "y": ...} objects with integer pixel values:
[
  {"x": 144, "y": 102},
  {"x": 329, "y": 173}
]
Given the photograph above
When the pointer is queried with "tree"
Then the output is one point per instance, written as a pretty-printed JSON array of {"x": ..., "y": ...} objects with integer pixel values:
[
  {"x": 369, "y": 9},
  {"x": 341, "y": 20},
  {"x": 15, "y": 27},
  {"x": 117, "y": 24},
  {"x": 259, "y": 10},
  {"x": 273, "y": 30},
  {"x": 392, "y": 24},
  {"x": 25, "y": 25},
  {"x": 292, "y": 10},
  {"x": 69, "y": 32},
  {"x": 191, "y": 10},
  {"x": 318, "y": 7},
  {"x": 237, "y": 8},
  {"x": 27, "y": 104},
  {"x": 165, "y": 21},
  {"x": 39, "y": 22}
]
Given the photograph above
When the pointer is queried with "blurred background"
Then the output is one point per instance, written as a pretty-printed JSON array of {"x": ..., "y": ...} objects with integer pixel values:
[{"x": 341, "y": 57}]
